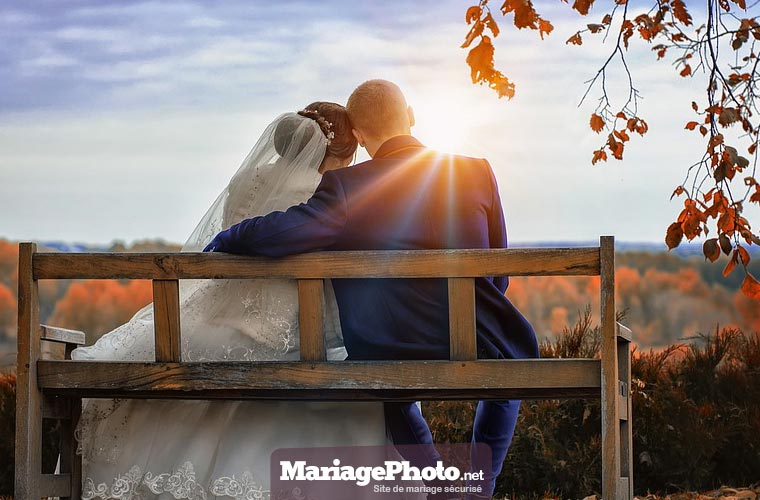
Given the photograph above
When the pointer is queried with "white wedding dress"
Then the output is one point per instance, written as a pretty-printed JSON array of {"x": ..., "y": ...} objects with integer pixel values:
[{"x": 176, "y": 449}]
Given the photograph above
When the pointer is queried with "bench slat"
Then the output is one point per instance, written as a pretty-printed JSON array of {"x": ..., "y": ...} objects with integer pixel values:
[
  {"x": 62, "y": 335},
  {"x": 462, "y": 337},
  {"x": 368, "y": 264},
  {"x": 485, "y": 379},
  {"x": 310, "y": 300},
  {"x": 166, "y": 320}
]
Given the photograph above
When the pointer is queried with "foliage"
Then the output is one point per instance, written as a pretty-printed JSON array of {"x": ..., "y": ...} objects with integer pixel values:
[
  {"x": 668, "y": 298},
  {"x": 696, "y": 420},
  {"x": 98, "y": 306},
  {"x": 7, "y": 431},
  {"x": 719, "y": 184},
  {"x": 8, "y": 312}
]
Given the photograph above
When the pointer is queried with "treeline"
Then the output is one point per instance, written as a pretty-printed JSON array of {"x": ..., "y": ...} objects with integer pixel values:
[{"x": 666, "y": 298}]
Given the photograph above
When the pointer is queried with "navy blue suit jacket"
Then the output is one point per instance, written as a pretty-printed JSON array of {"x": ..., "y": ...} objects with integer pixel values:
[{"x": 406, "y": 198}]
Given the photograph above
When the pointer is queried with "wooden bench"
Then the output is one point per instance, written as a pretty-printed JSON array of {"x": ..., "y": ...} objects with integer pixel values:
[{"x": 55, "y": 388}]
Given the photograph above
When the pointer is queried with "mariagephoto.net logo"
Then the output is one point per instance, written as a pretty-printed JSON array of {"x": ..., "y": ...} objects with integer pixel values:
[{"x": 379, "y": 472}]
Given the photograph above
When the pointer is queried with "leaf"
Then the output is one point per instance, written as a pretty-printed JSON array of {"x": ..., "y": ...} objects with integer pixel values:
[
  {"x": 575, "y": 39},
  {"x": 473, "y": 14},
  {"x": 733, "y": 261},
  {"x": 525, "y": 14},
  {"x": 622, "y": 135},
  {"x": 743, "y": 255},
  {"x": 596, "y": 123},
  {"x": 715, "y": 141},
  {"x": 599, "y": 155},
  {"x": 691, "y": 125},
  {"x": 616, "y": 147},
  {"x": 725, "y": 244},
  {"x": 694, "y": 106},
  {"x": 686, "y": 71},
  {"x": 480, "y": 60},
  {"x": 595, "y": 28},
  {"x": 582, "y": 6},
  {"x": 711, "y": 250},
  {"x": 678, "y": 192},
  {"x": 741, "y": 3},
  {"x": 475, "y": 31},
  {"x": 491, "y": 25},
  {"x": 674, "y": 235},
  {"x": 751, "y": 287},
  {"x": 680, "y": 12},
  {"x": 627, "y": 29},
  {"x": 728, "y": 116},
  {"x": 544, "y": 28}
]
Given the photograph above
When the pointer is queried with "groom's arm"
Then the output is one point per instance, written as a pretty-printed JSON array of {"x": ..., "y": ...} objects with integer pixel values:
[
  {"x": 307, "y": 227},
  {"x": 497, "y": 227}
]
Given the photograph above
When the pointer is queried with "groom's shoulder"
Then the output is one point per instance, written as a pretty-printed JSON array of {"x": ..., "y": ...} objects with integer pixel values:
[{"x": 472, "y": 165}]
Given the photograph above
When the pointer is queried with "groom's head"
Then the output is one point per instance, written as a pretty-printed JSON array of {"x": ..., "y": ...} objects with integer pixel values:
[{"x": 378, "y": 111}]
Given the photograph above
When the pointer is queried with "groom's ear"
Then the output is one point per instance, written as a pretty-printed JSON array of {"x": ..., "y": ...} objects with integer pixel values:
[
  {"x": 410, "y": 112},
  {"x": 358, "y": 136}
]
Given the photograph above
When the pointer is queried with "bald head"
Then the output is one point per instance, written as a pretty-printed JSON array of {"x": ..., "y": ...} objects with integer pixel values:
[{"x": 378, "y": 111}]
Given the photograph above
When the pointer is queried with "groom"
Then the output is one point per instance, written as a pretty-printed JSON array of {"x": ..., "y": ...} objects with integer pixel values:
[{"x": 406, "y": 197}]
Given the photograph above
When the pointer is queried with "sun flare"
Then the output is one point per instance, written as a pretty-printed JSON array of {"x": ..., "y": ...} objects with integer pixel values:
[{"x": 442, "y": 122}]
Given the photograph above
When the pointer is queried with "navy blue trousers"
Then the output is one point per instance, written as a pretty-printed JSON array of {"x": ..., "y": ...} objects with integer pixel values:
[{"x": 494, "y": 426}]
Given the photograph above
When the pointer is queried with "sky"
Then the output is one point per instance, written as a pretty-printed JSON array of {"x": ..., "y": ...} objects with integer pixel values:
[{"x": 123, "y": 120}]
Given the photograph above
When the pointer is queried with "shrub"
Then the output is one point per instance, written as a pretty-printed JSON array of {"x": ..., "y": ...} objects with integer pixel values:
[{"x": 696, "y": 420}]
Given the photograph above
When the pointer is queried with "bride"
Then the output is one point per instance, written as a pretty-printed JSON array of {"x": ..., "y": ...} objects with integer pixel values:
[{"x": 141, "y": 449}]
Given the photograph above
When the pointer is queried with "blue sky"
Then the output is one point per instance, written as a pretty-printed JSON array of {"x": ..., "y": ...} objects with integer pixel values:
[{"x": 124, "y": 120}]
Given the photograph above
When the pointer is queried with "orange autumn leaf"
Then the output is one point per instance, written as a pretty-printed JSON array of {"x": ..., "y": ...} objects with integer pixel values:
[
  {"x": 680, "y": 12},
  {"x": 732, "y": 262},
  {"x": 582, "y": 6},
  {"x": 544, "y": 28},
  {"x": 596, "y": 123},
  {"x": 472, "y": 14},
  {"x": 751, "y": 287},
  {"x": 575, "y": 39},
  {"x": 744, "y": 255},
  {"x": 691, "y": 125},
  {"x": 599, "y": 155}
]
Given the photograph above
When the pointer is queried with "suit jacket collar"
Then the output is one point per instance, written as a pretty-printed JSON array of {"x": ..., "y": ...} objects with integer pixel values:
[{"x": 401, "y": 146}]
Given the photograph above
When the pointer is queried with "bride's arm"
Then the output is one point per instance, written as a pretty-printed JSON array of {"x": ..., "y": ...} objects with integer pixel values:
[{"x": 310, "y": 226}]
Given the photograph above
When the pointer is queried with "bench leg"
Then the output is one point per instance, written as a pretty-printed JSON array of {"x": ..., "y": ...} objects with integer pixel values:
[
  {"x": 28, "y": 473},
  {"x": 71, "y": 463},
  {"x": 626, "y": 417}
]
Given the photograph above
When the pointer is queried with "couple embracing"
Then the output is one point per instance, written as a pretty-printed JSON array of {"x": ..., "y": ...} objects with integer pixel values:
[{"x": 294, "y": 194}]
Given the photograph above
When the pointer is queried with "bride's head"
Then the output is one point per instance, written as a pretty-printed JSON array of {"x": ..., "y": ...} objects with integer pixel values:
[{"x": 333, "y": 123}]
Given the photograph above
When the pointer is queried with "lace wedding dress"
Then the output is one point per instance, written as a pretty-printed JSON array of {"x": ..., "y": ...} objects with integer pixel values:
[{"x": 176, "y": 449}]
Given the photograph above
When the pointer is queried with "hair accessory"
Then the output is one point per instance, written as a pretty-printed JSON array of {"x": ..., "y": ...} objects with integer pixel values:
[{"x": 324, "y": 125}]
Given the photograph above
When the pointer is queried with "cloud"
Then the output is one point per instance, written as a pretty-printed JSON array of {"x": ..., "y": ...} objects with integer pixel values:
[
  {"x": 205, "y": 22},
  {"x": 176, "y": 92}
]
